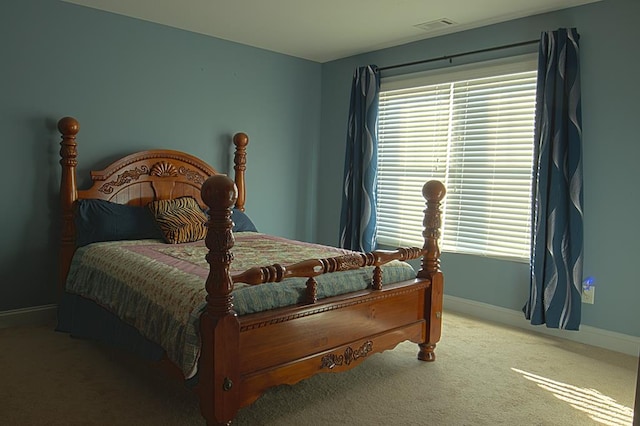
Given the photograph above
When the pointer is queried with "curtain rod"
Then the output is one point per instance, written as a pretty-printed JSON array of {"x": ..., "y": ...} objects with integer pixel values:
[{"x": 457, "y": 55}]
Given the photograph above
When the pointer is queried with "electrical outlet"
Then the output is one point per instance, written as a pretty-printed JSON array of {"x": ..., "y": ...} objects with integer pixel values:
[{"x": 588, "y": 295}]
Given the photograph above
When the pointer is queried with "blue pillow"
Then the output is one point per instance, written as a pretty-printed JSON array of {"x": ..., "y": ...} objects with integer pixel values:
[
  {"x": 100, "y": 220},
  {"x": 241, "y": 222}
]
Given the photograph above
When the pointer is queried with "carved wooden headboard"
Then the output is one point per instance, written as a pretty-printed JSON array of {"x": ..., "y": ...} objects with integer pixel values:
[{"x": 136, "y": 179}]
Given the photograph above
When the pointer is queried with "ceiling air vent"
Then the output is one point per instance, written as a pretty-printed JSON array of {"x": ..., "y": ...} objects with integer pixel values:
[{"x": 436, "y": 25}]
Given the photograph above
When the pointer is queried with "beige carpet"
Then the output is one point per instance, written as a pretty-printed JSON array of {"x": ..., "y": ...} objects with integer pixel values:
[{"x": 485, "y": 374}]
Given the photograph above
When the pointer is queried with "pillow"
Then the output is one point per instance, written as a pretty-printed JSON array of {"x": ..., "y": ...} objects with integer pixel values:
[
  {"x": 180, "y": 220},
  {"x": 101, "y": 220},
  {"x": 241, "y": 222}
]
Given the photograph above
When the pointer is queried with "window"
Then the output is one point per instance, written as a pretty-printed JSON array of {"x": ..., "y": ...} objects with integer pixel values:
[{"x": 472, "y": 129}]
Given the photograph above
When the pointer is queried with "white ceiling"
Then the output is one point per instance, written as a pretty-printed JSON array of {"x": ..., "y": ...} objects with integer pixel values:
[{"x": 324, "y": 30}]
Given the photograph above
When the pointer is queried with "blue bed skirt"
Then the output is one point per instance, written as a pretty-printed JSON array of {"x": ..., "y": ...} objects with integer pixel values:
[{"x": 85, "y": 319}]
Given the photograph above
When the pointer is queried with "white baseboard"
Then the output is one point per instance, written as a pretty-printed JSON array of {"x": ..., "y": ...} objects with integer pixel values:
[
  {"x": 618, "y": 342},
  {"x": 35, "y": 315}
]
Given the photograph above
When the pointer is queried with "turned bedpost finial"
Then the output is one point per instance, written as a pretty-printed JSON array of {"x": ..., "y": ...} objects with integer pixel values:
[
  {"x": 240, "y": 140},
  {"x": 219, "y": 193},
  {"x": 433, "y": 192},
  {"x": 68, "y": 127}
]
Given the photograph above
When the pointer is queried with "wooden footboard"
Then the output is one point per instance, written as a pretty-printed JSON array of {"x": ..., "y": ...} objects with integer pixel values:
[{"x": 243, "y": 356}]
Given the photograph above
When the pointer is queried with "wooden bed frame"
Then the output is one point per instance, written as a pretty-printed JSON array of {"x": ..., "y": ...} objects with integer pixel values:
[{"x": 243, "y": 356}]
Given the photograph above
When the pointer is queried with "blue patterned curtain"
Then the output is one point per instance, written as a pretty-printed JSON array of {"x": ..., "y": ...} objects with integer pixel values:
[
  {"x": 358, "y": 216},
  {"x": 557, "y": 245}
]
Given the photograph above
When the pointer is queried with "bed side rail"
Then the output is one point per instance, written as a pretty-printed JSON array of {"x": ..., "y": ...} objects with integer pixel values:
[{"x": 311, "y": 268}]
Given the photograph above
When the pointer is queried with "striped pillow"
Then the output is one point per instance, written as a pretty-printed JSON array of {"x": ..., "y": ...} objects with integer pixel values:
[{"x": 180, "y": 220}]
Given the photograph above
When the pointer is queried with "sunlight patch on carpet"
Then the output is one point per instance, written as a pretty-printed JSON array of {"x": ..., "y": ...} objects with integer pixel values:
[{"x": 599, "y": 407}]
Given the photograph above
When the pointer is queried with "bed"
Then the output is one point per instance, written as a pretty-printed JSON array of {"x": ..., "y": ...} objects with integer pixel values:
[{"x": 242, "y": 326}]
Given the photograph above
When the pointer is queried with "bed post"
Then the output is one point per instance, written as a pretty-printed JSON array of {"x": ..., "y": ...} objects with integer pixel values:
[
  {"x": 240, "y": 140},
  {"x": 68, "y": 127},
  {"x": 219, "y": 327},
  {"x": 433, "y": 191}
]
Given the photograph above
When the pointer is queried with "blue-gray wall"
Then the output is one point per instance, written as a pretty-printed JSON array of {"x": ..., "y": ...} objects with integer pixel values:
[
  {"x": 135, "y": 85},
  {"x": 610, "y": 70}
]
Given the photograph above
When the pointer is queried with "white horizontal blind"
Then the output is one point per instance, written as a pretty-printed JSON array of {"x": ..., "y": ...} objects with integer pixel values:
[{"x": 474, "y": 135}]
